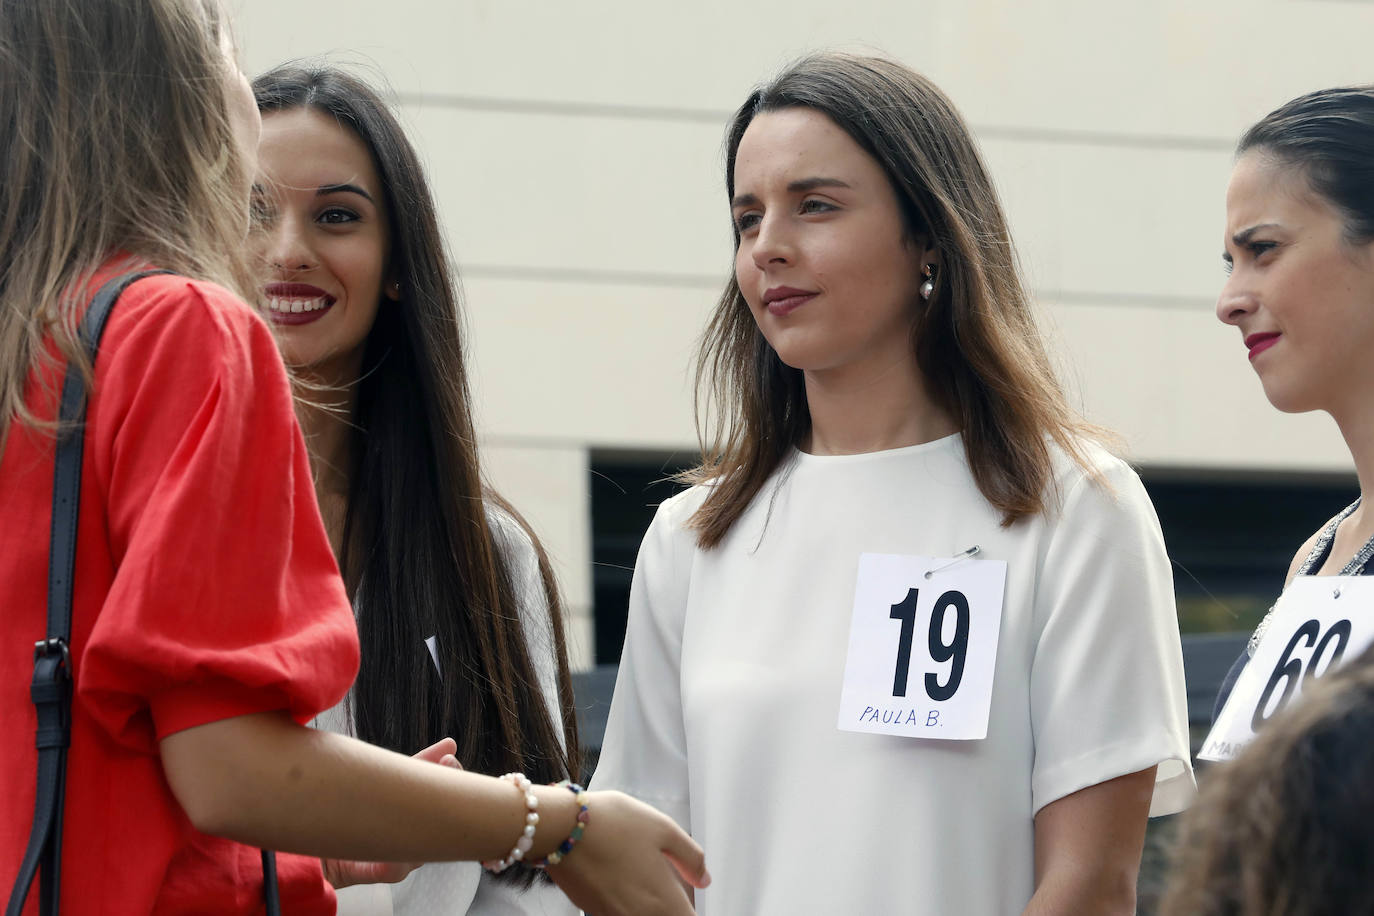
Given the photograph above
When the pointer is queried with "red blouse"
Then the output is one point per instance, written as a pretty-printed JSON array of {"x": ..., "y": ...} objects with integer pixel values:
[{"x": 205, "y": 589}]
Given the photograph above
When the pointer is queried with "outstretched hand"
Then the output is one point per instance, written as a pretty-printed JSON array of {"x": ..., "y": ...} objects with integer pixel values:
[{"x": 345, "y": 873}]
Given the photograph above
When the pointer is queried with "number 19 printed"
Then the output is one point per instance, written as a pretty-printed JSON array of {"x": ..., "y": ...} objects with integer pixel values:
[{"x": 922, "y": 646}]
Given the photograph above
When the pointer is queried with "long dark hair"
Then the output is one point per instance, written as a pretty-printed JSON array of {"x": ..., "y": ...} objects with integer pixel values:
[
  {"x": 1283, "y": 830},
  {"x": 419, "y": 554},
  {"x": 975, "y": 339},
  {"x": 1329, "y": 136}
]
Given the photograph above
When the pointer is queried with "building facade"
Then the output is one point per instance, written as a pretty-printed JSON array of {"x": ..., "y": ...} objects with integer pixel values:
[{"x": 576, "y": 152}]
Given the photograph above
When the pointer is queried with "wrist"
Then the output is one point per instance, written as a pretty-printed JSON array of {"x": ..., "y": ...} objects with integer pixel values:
[
  {"x": 582, "y": 817},
  {"x": 556, "y": 823},
  {"x": 546, "y": 810}
]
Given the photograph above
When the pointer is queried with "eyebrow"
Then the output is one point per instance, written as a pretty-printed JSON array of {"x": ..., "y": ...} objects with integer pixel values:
[
  {"x": 800, "y": 186},
  {"x": 325, "y": 189},
  {"x": 1243, "y": 236}
]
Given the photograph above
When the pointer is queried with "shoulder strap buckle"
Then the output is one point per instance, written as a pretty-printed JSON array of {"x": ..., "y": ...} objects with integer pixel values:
[{"x": 53, "y": 646}]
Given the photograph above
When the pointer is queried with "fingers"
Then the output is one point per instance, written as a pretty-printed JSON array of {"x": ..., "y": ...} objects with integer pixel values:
[
  {"x": 688, "y": 858},
  {"x": 684, "y": 853},
  {"x": 448, "y": 760},
  {"x": 343, "y": 873},
  {"x": 436, "y": 752}
]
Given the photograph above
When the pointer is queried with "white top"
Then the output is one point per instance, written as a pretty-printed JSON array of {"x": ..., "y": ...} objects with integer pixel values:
[
  {"x": 449, "y": 888},
  {"x": 724, "y": 714}
]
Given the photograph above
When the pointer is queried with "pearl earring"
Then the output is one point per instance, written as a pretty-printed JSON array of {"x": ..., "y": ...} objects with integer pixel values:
[{"x": 928, "y": 287}]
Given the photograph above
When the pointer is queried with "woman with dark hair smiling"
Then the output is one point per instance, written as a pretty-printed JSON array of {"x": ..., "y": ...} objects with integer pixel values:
[
  {"x": 458, "y": 614},
  {"x": 909, "y": 644}
]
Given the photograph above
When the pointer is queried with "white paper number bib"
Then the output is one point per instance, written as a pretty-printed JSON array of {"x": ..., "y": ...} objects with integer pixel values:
[
  {"x": 922, "y": 646},
  {"x": 1319, "y": 622}
]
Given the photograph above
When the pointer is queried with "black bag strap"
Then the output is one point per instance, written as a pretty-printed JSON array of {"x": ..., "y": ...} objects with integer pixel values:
[
  {"x": 51, "y": 688},
  {"x": 270, "y": 894}
]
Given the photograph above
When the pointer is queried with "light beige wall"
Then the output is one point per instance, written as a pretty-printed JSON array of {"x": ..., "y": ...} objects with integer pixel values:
[{"x": 575, "y": 149}]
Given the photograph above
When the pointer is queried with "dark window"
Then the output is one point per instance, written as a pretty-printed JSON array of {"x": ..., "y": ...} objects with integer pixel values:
[
  {"x": 626, "y": 489},
  {"x": 1230, "y": 539}
]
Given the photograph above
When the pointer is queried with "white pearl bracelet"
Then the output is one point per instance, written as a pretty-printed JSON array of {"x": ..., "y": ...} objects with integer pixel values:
[{"x": 526, "y": 840}]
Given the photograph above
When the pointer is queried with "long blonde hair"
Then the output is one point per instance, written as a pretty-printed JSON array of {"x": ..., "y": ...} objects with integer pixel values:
[
  {"x": 975, "y": 340},
  {"x": 115, "y": 138}
]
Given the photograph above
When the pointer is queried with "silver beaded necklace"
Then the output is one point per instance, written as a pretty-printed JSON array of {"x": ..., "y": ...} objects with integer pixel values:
[{"x": 1317, "y": 554}]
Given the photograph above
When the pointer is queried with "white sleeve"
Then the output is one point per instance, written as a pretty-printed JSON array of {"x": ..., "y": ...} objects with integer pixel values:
[
  {"x": 1107, "y": 692},
  {"x": 535, "y": 617},
  {"x": 644, "y": 752},
  {"x": 495, "y": 898}
]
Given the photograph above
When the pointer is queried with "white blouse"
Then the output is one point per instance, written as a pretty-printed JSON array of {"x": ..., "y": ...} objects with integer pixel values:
[
  {"x": 452, "y": 888},
  {"x": 725, "y": 708}
]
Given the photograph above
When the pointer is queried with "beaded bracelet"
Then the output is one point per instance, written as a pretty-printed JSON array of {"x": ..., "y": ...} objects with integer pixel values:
[
  {"x": 579, "y": 828},
  {"x": 526, "y": 840}
]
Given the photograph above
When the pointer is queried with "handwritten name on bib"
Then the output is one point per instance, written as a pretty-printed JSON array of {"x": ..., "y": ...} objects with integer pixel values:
[
  {"x": 1319, "y": 622},
  {"x": 922, "y": 646}
]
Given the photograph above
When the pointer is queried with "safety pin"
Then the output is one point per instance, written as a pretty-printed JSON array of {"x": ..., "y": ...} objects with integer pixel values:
[{"x": 961, "y": 555}]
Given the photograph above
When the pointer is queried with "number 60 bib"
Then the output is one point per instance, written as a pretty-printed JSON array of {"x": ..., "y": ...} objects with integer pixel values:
[
  {"x": 1319, "y": 621},
  {"x": 922, "y": 645}
]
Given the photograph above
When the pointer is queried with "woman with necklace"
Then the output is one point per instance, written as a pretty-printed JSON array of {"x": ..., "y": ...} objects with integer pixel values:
[{"x": 1299, "y": 254}]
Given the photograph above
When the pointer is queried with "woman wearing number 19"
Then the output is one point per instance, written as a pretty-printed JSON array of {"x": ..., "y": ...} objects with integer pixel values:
[
  {"x": 1299, "y": 251},
  {"x": 881, "y": 388}
]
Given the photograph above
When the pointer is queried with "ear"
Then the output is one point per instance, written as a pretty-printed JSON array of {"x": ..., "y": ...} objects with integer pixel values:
[
  {"x": 392, "y": 289},
  {"x": 923, "y": 246}
]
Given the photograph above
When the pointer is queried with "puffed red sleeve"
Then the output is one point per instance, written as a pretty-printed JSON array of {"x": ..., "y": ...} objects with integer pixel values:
[{"x": 225, "y": 599}]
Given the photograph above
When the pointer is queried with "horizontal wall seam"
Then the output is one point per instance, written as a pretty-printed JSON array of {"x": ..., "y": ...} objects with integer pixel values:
[
  {"x": 1055, "y": 136},
  {"x": 591, "y": 276}
]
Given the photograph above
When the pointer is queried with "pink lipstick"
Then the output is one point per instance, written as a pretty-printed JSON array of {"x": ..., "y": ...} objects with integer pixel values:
[
  {"x": 1258, "y": 343},
  {"x": 783, "y": 300}
]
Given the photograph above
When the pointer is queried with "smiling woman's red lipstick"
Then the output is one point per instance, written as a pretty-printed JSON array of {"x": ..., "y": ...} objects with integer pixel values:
[{"x": 296, "y": 303}]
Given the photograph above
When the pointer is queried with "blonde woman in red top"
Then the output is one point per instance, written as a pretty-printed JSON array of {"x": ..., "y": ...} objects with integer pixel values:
[{"x": 209, "y": 621}]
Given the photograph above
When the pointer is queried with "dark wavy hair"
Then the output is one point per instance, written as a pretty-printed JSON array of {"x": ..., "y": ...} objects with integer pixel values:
[
  {"x": 975, "y": 339},
  {"x": 1329, "y": 136},
  {"x": 1283, "y": 830},
  {"x": 419, "y": 555}
]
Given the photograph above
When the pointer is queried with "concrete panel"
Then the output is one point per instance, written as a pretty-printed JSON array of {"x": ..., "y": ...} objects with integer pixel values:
[
  {"x": 704, "y": 55},
  {"x": 1174, "y": 382},
  {"x": 1180, "y": 71},
  {"x": 1172, "y": 70},
  {"x": 579, "y": 363},
  {"x": 579, "y": 194},
  {"x": 1116, "y": 224},
  {"x": 1177, "y": 385},
  {"x": 548, "y": 486},
  {"x": 612, "y": 197},
  {"x": 575, "y": 149}
]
